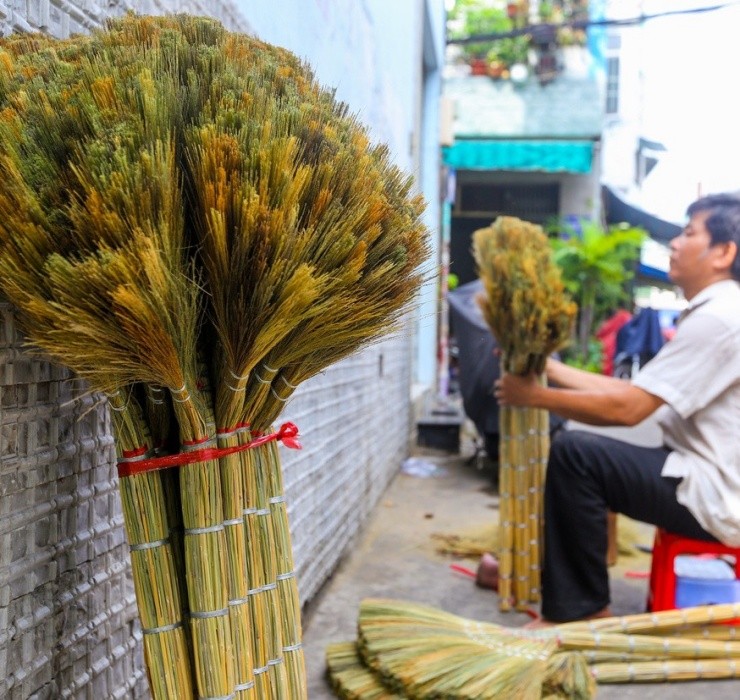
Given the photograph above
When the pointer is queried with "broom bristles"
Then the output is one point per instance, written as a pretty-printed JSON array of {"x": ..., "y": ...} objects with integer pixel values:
[{"x": 187, "y": 209}]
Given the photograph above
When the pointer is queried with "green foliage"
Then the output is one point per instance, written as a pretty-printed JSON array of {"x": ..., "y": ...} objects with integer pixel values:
[
  {"x": 596, "y": 263},
  {"x": 478, "y": 17},
  {"x": 509, "y": 51},
  {"x": 591, "y": 361},
  {"x": 475, "y": 17}
]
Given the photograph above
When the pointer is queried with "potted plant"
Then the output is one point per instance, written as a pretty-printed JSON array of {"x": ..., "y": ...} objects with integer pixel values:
[{"x": 472, "y": 18}]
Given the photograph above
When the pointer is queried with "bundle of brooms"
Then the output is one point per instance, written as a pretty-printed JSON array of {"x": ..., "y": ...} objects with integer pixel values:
[
  {"x": 531, "y": 317},
  {"x": 409, "y": 650},
  {"x": 194, "y": 226}
]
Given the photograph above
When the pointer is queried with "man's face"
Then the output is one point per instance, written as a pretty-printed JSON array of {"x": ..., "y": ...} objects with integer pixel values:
[{"x": 692, "y": 256}]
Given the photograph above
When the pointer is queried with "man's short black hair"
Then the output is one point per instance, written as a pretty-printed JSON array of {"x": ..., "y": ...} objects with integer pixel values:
[{"x": 723, "y": 222}]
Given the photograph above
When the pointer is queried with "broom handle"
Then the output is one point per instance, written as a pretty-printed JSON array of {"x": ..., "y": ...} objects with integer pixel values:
[
  {"x": 153, "y": 561},
  {"x": 288, "y": 596},
  {"x": 540, "y": 438},
  {"x": 240, "y": 613},
  {"x": 522, "y": 468},
  {"x": 662, "y": 671},
  {"x": 664, "y": 619},
  {"x": 506, "y": 509}
]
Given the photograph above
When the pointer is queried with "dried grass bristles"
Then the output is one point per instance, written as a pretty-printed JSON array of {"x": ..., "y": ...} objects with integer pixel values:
[{"x": 193, "y": 224}]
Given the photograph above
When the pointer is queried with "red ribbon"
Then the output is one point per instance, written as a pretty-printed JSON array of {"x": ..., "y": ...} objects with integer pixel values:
[{"x": 287, "y": 434}]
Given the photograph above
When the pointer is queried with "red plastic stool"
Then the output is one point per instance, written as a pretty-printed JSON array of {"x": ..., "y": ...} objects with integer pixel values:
[{"x": 666, "y": 548}]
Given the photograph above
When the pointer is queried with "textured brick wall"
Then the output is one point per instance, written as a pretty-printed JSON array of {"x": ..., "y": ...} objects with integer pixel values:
[
  {"x": 61, "y": 18},
  {"x": 68, "y": 625},
  {"x": 355, "y": 422}
]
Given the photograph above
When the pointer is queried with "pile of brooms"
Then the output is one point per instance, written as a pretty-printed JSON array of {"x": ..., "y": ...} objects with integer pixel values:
[
  {"x": 195, "y": 227},
  {"x": 407, "y": 650}
]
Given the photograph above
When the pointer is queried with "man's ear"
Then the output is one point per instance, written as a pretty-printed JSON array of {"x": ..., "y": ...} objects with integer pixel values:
[{"x": 727, "y": 254}]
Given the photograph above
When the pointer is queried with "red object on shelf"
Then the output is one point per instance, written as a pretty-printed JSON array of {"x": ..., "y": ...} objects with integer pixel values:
[{"x": 666, "y": 548}]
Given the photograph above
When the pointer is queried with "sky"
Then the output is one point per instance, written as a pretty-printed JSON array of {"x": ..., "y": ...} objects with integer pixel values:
[{"x": 691, "y": 102}]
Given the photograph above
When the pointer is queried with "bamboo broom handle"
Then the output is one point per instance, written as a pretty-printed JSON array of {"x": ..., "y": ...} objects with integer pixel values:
[
  {"x": 240, "y": 614},
  {"x": 506, "y": 509},
  {"x": 288, "y": 596},
  {"x": 727, "y": 633},
  {"x": 270, "y": 674},
  {"x": 522, "y": 468},
  {"x": 663, "y": 620},
  {"x": 153, "y": 562},
  {"x": 649, "y": 645},
  {"x": 662, "y": 671},
  {"x": 535, "y": 503},
  {"x": 205, "y": 556},
  {"x": 542, "y": 477}
]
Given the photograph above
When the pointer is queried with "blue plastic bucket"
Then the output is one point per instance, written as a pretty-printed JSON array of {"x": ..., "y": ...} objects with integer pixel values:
[{"x": 702, "y": 581}]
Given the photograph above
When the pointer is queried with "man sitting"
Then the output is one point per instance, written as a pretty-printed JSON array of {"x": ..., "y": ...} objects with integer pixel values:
[{"x": 689, "y": 486}]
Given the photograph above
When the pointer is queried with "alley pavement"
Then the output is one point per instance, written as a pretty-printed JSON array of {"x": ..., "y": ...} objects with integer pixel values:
[{"x": 397, "y": 555}]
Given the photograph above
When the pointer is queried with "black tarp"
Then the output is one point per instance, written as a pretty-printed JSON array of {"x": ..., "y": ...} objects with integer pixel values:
[
  {"x": 618, "y": 210},
  {"x": 478, "y": 368}
]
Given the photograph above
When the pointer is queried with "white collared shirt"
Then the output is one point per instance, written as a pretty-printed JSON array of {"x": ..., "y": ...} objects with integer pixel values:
[{"x": 697, "y": 374}]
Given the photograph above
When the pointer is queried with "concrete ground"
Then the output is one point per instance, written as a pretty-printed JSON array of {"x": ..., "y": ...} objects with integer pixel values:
[{"x": 396, "y": 556}]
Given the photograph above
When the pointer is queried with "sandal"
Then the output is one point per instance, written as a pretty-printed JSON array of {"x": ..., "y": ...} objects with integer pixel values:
[{"x": 487, "y": 574}]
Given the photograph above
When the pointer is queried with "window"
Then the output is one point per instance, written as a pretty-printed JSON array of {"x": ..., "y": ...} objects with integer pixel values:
[
  {"x": 612, "y": 85},
  {"x": 532, "y": 202}
]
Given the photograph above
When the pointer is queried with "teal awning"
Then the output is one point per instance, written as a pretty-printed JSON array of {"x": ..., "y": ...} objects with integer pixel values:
[{"x": 548, "y": 156}]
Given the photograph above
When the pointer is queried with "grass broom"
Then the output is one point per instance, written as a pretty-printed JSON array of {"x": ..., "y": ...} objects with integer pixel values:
[
  {"x": 423, "y": 652},
  {"x": 419, "y": 652},
  {"x": 525, "y": 306},
  {"x": 350, "y": 678},
  {"x": 356, "y": 242},
  {"x": 31, "y": 234},
  {"x": 313, "y": 181}
]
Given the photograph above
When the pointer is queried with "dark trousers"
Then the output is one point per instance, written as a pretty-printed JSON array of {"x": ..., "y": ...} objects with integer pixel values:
[{"x": 588, "y": 474}]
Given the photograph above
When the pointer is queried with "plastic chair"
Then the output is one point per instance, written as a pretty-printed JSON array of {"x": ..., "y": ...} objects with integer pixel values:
[{"x": 666, "y": 548}]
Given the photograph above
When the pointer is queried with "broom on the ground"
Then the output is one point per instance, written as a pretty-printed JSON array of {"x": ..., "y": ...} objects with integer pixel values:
[
  {"x": 419, "y": 651},
  {"x": 525, "y": 305}
]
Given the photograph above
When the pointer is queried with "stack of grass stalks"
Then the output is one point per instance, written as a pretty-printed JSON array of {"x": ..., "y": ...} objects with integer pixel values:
[
  {"x": 192, "y": 224},
  {"x": 473, "y": 543},
  {"x": 408, "y": 650},
  {"x": 525, "y": 305}
]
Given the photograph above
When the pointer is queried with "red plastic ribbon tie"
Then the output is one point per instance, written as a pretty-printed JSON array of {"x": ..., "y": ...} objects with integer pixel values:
[
  {"x": 287, "y": 434},
  {"x": 463, "y": 570},
  {"x": 138, "y": 452}
]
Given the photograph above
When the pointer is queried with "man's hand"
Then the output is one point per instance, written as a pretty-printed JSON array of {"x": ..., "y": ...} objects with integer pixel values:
[
  {"x": 515, "y": 390},
  {"x": 602, "y": 401}
]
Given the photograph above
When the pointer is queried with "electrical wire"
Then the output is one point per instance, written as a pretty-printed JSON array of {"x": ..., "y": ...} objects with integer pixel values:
[{"x": 585, "y": 24}]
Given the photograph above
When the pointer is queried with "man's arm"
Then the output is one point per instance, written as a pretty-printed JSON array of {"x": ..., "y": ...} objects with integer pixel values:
[
  {"x": 615, "y": 402},
  {"x": 568, "y": 377}
]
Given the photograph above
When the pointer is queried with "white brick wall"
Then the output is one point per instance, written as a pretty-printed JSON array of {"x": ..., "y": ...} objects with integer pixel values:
[
  {"x": 68, "y": 624},
  {"x": 355, "y": 423},
  {"x": 60, "y": 18}
]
